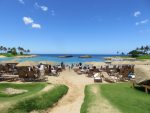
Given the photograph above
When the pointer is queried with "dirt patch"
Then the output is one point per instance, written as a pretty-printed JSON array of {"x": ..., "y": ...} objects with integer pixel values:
[
  {"x": 47, "y": 88},
  {"x": 12, "y": 91}
]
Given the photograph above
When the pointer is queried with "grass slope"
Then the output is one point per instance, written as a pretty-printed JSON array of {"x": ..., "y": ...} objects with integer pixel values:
[
  {"x": 144, "y": 57},
  {"x": 40, "y": 101},
  {"x": 125, "y": 98},
  {"x": 121, "y": 96},
  {"x": 32, "y": 88}
]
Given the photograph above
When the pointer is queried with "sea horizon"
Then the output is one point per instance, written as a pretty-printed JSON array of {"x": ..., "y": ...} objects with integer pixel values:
[{"x": 55, "y": 58}]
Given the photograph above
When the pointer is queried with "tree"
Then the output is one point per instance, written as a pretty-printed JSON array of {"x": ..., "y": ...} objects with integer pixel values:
[
  {"x": 13, "y": 51},
  {"x": 1, "y": 49},
  {"x": 28, "y": 51},
  {"x": 5, "y": 49},
  {"x": 135, "y": 53},
  {"x": 146, "y": 49},
  {"x": 142, "y": 48},
  {"x": 117, "y": 52},
  {"x": 137, "y": 49},
  {"x": 122, "y": 53}
]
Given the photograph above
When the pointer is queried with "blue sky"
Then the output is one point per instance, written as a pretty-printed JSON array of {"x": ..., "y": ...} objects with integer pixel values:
[{"x": 75, "y": 26}]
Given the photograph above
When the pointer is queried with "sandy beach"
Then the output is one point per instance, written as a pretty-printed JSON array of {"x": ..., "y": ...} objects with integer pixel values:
[
  {"x": 1, "y": 56},
  {"x": 23, "y": 56}
]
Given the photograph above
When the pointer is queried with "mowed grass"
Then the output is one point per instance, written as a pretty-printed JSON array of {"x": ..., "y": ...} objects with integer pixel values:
[
  {"x": 40, "y": 101},
  {"x": 121, "y": 96},
  {"x": 144, "y": 57},
  {"x": 32, "y": 88},
  {"x": 34, "y": 99}
]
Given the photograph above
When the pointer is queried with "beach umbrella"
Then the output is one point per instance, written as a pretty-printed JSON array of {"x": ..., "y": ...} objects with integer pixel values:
[
  {"x": 147, "y": 62},
  {"x": 10, "y": 62},
  {"x": 122, "y": 63},
  {"x": 95, "y": 63},
  {"x": 48, "y": 63},
  {"x": 142, "y": 73},
  {"x": 139, "y": 62},
  {"x": 27, "y": 64},
  {"x": 108, "y": 61}
]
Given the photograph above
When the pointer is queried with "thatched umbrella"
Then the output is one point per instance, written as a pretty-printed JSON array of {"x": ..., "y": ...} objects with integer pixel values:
[
  {"x": 27, "y": 64},
  {"x": 108, "y": 61},
  {"x": 147, "y": 62},
  {"x": 122, "y": 63},
  {"x": 48, "y": 63},
  {"x": 10, "y": 62},
  {"x": 142, "y": 73},
  {"x": 95, "y": 63},
  {"x": 139, "y": 62}
]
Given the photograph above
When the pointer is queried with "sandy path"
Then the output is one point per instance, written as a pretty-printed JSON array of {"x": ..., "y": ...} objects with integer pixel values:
[{"x": 72, "y": 101}]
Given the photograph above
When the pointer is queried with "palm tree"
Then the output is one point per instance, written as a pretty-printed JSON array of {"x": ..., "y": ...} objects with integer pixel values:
[
  {"x": 19, "y": 49},
  {"x": 5, "y": 49},
  {"x": 117, "y": 52},
  {"x": 1, "y": 48},
  {"x": 28, "y": 51},
  {"x": 13, "y": 51},
  {"x": 146, "y": 49},
  {"x": 137, "y": 48}
]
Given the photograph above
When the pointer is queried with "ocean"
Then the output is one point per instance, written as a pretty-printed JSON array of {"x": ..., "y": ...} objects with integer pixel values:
[{"x": 54, "y": 58}]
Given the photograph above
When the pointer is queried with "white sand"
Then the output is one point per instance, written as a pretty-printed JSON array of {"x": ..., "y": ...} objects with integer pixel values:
[{"x": 1, "y": 56}]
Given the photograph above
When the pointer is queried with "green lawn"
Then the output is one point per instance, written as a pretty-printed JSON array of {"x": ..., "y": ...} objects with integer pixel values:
[
  {"x": 121, "y": 96},
  {"x": 32, "y": 88},
  {"x": 34, "y": 99},
  {"x": 144, "y": 57}
]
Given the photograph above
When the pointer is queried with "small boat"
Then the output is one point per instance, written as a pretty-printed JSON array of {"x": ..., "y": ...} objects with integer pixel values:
[
  {"x": 65, "y": 56},
  {"x": 85, "y": 56}
]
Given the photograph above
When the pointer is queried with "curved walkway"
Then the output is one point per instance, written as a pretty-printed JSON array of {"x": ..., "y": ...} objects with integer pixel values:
[{"x": 72, "y": 101}]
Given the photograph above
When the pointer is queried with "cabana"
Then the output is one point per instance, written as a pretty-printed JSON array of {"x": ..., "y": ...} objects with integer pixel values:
[
  {"x": 25, "y": 72},
  {"x": 142, "y": 77},
  {"x": 27, "y": 64},
  {"x": 48, "y": 63}
]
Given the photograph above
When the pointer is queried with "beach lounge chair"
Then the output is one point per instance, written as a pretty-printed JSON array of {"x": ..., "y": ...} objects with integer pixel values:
[
  {"x": 97, "y": 77},
  {"x": 108, "y": 78}
]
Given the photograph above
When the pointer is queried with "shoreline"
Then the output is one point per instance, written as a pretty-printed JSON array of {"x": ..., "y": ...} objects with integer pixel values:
[{"x": 19, "y": 56}]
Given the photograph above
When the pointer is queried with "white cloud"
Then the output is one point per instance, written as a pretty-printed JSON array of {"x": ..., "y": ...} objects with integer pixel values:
[
  {"x": 142, "y": 22},
  {"x": 27, "y": 20},
  {"x": 43, "y": 8},
  {"x": 21, "y": 1},
  {"x": 137, "y": 13},
  {"x": 36, "y": 26},
  {"x": 30, "y": 21},
  {"x": 137, "y": 23},
  {"x": 52, "y": 12}
]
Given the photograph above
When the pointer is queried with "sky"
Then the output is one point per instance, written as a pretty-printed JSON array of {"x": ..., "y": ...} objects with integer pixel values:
[{"x": 75, "y": 26}]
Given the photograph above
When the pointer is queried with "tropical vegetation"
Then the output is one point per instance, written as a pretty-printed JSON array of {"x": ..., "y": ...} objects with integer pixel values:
[
  {"x": 140, "y": 52},
  {"x": 9, "y": 52}
]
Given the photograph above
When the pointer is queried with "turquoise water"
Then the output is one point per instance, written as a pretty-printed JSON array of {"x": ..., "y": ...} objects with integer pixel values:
[{"x": 54, "y": 58}]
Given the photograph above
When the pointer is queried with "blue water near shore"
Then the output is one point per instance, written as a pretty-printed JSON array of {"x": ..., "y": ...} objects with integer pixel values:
[{"x": 54, "y": 58}]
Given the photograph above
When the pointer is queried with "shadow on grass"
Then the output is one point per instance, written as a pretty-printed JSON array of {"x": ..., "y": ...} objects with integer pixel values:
[{"x": 142, "y": 89}]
